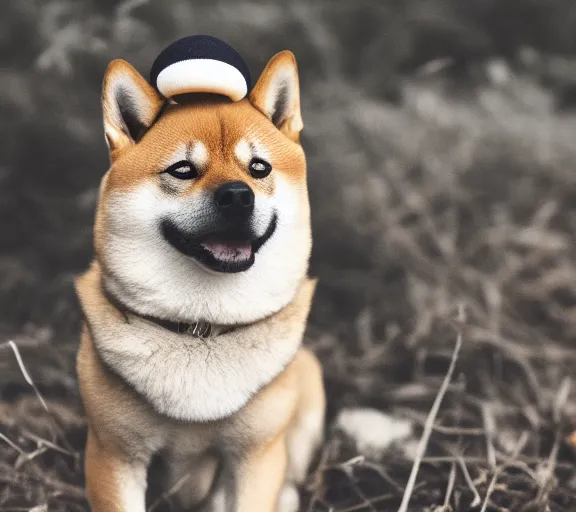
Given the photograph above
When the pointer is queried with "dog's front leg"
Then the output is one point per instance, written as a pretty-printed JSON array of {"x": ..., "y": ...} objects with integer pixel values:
[
  {"x": 113, "y": 483},
  {"x": 259, "y": 478}
]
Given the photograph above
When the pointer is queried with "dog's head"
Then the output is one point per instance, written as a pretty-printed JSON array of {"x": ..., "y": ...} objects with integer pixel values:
[{"x": 203, "y": 214}]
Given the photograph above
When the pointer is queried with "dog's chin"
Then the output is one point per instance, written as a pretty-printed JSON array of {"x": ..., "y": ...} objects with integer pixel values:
[{"x": 227, "y": 251}]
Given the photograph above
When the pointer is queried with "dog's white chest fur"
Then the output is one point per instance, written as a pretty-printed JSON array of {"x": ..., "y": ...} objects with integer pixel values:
[{"x": 194, "y": 379}]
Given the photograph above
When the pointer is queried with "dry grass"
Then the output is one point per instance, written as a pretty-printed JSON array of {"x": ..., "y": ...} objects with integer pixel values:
[
  {"x": 457, "y": 198},
  {"x": 458, "y": 201}
]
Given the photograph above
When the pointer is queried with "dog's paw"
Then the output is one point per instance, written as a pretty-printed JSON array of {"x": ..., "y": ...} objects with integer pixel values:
[{"x": 289, "y": 499}]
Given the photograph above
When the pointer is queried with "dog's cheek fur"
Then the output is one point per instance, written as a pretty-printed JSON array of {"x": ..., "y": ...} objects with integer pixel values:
[{"x": 153, "y": 278}]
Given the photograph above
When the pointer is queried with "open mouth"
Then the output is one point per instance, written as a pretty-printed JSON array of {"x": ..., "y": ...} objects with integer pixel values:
[{"x": 226, "y": 251}]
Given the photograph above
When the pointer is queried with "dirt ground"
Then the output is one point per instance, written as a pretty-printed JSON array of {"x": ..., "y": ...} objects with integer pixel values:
[{"x": 444, "y": 219}]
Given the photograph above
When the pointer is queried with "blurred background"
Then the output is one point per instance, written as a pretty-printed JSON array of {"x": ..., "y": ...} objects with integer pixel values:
[{"x": 441, "y": 146}]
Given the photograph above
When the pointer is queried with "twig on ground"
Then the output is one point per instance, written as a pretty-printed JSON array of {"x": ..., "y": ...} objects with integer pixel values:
[
  {"x": 432, "y": 417},
  {"x": 12, "y": 444},
  {"x": 14, "y": 348},
  {"x": 25, "y": 457},
  {"x": 70, "y": 491},
  {"x": 347, "y": 469},
  {"x": 384, "y": 475},
  {"x": 490, "y": 430},
  {"x": 41, "y": 441},
  {"x": 549, "y": 467},
  {"x": 517, "y": 449},
  {"x": 317, "y": 478},
  {"x": 441, "y": 429},
  {"x": 376, "y": 499},
  {"x": 477, "y": 499},
  {"x": 29, "y": 380},
  {"x": 170, "y": 492},
  {"x": 434, "y": 66},
  {"x": 449, "y": 488}
]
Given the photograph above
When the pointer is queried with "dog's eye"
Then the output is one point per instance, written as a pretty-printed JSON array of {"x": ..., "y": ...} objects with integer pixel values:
[
  {"x": 182, "y": 170},
  {"x": 259, "y": 168}
]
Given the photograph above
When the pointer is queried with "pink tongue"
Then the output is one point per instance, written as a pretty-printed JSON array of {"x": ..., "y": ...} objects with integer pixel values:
[{"x": 229, "y": 251}]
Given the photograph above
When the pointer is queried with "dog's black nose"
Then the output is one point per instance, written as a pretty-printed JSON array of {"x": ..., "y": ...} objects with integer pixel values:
[{"x": 235, "y": 198}]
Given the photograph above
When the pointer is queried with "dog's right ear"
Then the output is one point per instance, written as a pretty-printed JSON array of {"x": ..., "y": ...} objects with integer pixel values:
[{"x": 130, "y": 105}]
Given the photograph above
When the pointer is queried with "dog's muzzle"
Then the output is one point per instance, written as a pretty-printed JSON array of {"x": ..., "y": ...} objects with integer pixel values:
[{"x": 231, "y": 241}]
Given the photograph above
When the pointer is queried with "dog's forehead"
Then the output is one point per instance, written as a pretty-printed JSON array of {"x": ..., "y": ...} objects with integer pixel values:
[{"x": 222, "y": 129}]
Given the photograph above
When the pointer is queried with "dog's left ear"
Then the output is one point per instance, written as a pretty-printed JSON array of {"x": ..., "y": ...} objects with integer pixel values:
[
  {"x": 277, "y": 94},
  {"x": 130, "y": 105}
]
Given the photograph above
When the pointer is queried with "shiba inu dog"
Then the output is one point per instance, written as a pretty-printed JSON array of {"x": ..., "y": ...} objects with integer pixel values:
[{"x": 196, "y": 302}]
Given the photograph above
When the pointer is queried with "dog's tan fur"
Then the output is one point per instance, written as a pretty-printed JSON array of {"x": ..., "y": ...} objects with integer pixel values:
[{"x": 247, "y": 414}]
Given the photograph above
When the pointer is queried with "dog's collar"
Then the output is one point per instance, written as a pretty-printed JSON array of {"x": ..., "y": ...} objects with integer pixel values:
[{"x": 198, "y": 329}]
